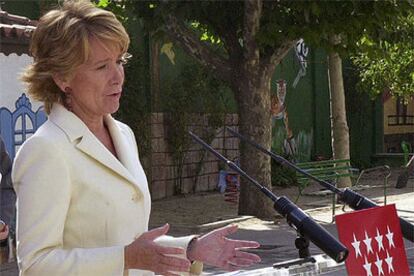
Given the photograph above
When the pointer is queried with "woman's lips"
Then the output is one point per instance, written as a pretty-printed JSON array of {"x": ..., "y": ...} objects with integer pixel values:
[{"x": 115, "y": 95}]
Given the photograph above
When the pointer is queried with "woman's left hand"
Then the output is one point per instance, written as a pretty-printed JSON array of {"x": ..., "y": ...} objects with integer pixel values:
[{"x": 215, "y": 249}]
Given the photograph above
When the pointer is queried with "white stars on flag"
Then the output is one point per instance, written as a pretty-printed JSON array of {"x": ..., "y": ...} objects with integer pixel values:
[
  {"x": 378, "y": 263},
  {"x": 355, "y": 244},
  {"x": 378, "y": 238},
  {"x": 367, "y": 242},
  {"x": 375, "y": 248},
  {"x": 375, "y": 242},
  {"x": 367, "y": 267},
  {"x": 390, "y": 237},
  {"x": 388, "y": 260}
]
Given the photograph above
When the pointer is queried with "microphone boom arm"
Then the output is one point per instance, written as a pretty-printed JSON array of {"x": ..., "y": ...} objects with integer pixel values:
[
  {"x": 303, "y": 224},
  {"x": 351, "y": 198}
]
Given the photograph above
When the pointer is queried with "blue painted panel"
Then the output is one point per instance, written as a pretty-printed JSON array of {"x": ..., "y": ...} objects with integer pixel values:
[{"x": 17, "y": 126}]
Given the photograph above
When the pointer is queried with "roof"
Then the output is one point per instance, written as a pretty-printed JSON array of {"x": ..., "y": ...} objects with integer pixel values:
[{"x": 15, "y": 33}]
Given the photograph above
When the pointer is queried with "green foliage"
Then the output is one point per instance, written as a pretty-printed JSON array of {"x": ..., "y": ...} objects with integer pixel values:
[
  {"x": 282, "y": 176},
  {"x": 102, "y": 3},
  {"x": 387, "y": 61},
  {"x": 357, "y": 23},
  {"x": 135, "y": 106},
  {"x": 281, "y": 21},
  {"x": 32, "y": 9}
]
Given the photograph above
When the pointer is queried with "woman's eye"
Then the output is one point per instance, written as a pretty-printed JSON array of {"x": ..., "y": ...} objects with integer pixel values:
[{"x": 101, "y": 67}]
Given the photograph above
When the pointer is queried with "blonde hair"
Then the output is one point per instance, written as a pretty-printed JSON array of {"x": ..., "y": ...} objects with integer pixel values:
[{"x": 61, "y": 42}]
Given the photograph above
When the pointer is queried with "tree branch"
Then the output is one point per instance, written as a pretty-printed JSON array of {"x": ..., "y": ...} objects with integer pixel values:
[
  {"x": 231, "y": 42},
  {"x": 197, "y": 49},
  {"x": 268, "y": 64},
  {"x": 251, "y": 25}
]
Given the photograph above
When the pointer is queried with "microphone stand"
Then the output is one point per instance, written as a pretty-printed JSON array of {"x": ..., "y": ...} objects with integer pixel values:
[
  {"x": 304, "y": 225},
  {"x": 353, "y": 199}
]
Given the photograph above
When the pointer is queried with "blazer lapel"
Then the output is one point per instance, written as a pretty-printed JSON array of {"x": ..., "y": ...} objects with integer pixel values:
[
  {"x": 94, "y": 148},
  {"x": 123, "y": 147},
  {"x": 85, "y": 141}
]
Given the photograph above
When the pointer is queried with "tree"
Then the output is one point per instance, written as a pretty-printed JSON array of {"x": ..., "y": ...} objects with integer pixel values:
[
  {"x": 245, "y": 64},
  {"x": 254, "y": 37},
  {"x": 339, "y": 124},
  {"x": 385, "y": 59}
]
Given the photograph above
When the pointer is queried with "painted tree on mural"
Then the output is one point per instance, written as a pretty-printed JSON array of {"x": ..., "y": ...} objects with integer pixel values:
[{"x": 243, "y": 42}]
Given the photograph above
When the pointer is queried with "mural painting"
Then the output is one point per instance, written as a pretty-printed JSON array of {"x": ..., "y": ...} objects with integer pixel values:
[{"x": 294, "y": 146}]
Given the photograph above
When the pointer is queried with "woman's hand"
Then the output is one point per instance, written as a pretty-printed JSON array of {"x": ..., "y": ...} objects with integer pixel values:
[
  {"x": 145, "y": 254},
  {"x": 4, "y": 231},
  {"x": 215, "y": 249}
]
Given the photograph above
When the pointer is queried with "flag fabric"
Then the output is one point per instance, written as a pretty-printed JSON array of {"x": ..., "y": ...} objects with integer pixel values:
[{"x": 374, "y": 240}]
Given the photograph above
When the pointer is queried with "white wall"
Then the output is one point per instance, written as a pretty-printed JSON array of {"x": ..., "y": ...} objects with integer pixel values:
[{"x": 11, "y": 87}]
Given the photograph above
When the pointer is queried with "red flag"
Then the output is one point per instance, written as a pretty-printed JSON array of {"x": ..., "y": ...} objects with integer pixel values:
[{"x": 373, "y": 238}]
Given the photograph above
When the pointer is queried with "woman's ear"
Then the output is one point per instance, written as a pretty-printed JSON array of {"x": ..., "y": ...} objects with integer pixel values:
[{"x": 60, "y": 81}]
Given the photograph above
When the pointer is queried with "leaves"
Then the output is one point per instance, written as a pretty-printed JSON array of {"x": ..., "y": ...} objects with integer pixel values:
[
  {"x": 386, "y": 60},
  {"x": 102, "y": 3}
]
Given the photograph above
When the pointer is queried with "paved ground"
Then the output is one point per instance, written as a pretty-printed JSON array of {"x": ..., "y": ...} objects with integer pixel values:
[
  {"x": 278, "y": 240},
  {"x": 203, "y": 212}
]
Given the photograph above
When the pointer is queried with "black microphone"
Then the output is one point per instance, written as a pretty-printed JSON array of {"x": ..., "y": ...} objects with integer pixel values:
[
  {"x": 295, "y": 217},
  {"x": 351, "y": 198},
  {"x": 359, "y": 202}
]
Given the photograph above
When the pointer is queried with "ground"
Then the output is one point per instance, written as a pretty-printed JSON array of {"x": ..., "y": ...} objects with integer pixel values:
[
  {"x": 199, "y": 213},
  {"x": 192, "y": 211}
]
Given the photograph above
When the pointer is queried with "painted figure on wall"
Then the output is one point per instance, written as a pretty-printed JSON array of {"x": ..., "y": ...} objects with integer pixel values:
[{"x": 279, "y": 112}]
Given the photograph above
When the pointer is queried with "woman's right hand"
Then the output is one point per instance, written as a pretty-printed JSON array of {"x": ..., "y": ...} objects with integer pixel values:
[
  {"x": 144, "y": 253},
  {"x": 4, "y": 230}
]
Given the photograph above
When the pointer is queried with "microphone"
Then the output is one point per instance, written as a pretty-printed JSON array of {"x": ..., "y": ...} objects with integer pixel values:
[
  {"x": 351, "y": 198},
  {"x": 359, "y": 202},
  {"x": 295, "y": 217}
]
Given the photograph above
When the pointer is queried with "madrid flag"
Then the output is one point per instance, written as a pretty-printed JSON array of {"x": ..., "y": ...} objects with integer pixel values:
[{"x": 373, "y": 238}]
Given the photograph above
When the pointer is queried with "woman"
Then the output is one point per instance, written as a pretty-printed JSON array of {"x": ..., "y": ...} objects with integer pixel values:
[{"x": 83, "y": 203}]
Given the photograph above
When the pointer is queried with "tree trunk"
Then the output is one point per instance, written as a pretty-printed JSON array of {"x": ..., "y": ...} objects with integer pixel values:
[
  {"x": 339, "y": 126},
  {"x": 254, "y": 123}
]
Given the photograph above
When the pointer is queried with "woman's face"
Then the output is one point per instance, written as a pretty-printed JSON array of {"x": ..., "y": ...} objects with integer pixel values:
[{"x": 96, "y": 86}]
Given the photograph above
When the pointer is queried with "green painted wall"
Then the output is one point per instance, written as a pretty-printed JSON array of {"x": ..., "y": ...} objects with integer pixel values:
[
  {"x": 364, "y": 116},
  {"x": 307, "y": 106},
  {"x": 174, "y": 70},
  {"x": 321, "y": 108}
]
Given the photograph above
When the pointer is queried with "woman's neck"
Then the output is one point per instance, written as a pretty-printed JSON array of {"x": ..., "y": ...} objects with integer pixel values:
[{"x": 95, "y": 123}]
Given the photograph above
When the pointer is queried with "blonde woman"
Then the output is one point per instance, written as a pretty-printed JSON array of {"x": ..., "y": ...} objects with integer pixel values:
[{"x": 83, "y": 203}]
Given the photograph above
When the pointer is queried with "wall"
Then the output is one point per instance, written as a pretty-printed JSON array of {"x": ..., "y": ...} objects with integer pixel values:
[
  {"x": 390, "y": 108},
  {"x": 15, "y": 128},
  {"x": 307, "y": 106},
  {"x": 11, "y": 87},
  {"x": 395, "y": 134},
  {"x": 197, "y": 176}
]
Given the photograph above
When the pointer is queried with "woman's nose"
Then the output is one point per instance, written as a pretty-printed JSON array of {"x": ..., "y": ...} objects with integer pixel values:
[{"x": 118, "y": 74}]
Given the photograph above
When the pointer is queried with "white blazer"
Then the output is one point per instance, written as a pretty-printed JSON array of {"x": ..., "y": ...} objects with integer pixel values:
[{"x": 77, "y": 204}]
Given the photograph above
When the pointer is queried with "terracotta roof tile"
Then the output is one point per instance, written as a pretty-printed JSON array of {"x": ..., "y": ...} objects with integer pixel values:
[
  {"x": 11, "y": 19},
  {"x": 15, "y": 33}
]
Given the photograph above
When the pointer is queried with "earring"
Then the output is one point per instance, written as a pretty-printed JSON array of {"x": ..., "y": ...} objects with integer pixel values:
[{"x": 68, "y": 98}]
